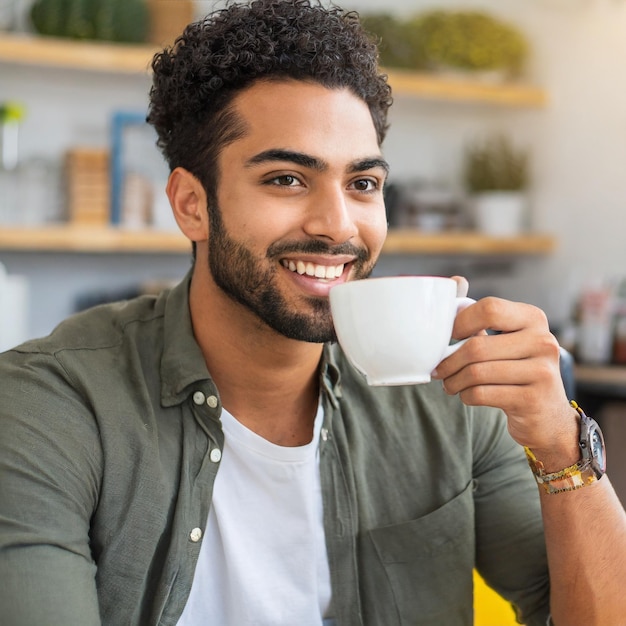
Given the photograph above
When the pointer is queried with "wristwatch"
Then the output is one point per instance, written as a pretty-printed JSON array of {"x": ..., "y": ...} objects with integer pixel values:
[{"x": 589, "y": 469}]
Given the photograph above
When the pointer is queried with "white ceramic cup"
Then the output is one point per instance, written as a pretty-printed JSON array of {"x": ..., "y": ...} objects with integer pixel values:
[{"x": 396, "y": 329}]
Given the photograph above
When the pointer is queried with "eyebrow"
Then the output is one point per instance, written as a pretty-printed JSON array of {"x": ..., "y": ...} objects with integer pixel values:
[
  {"x": 369, "y": 164},
  {"x": 311, "y": 162},
  {"x": 299, "y": 158}
]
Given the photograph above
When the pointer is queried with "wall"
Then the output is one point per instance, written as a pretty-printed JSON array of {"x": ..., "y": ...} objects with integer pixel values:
[{"x": 578, "y": 143}]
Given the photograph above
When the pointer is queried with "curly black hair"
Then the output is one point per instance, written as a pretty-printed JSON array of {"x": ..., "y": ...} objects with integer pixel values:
[{"x": 195, "y": 81}]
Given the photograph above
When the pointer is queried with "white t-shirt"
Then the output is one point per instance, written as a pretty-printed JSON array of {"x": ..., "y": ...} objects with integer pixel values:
[{"x": 263, "y": 558}]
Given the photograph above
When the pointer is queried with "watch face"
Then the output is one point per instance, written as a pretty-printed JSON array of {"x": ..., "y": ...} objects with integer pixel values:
[{"x": 597, "y": 448}]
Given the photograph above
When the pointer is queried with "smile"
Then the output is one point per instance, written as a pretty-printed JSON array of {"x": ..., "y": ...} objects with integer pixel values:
[{"x": 324, "y": 272}]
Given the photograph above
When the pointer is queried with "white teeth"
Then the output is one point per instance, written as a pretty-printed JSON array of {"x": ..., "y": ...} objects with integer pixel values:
[{"x": 310, "y": 269}]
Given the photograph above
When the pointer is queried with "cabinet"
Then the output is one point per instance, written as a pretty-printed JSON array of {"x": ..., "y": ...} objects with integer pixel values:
[{"x": 134, "y": 60}]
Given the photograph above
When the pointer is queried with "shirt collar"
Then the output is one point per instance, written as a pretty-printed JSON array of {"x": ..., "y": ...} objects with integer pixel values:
[
  {"x": 182, "y": 362},
  {"x": 330, "y": 374}
]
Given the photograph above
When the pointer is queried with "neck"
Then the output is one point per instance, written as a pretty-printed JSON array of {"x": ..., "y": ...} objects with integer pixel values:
[{"x": 266, "y": 381}]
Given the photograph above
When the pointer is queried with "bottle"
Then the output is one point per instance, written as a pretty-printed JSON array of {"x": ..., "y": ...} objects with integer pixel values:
[
  {"x": 595, "y": 332},
  {"x": 619, "y": 334},
  {"x": 10, "y": 116}
]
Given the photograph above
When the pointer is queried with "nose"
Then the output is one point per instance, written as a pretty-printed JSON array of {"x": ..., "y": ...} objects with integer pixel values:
[{"x": 331, "y": 216}]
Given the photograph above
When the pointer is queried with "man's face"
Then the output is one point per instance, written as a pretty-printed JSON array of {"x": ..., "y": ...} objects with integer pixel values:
[{"x": 299, "y": 205}]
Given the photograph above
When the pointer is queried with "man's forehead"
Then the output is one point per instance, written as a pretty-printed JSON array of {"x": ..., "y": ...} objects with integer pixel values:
[
  {"x": 279, "y": 95},
  {"x": 305, "y": 117}
]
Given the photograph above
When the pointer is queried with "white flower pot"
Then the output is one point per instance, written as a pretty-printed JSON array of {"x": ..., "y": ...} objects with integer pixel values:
[{"x": 500, "y": 213}]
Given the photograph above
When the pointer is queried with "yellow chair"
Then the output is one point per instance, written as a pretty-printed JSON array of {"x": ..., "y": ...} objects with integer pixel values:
[{"x": 490, "y": 609}]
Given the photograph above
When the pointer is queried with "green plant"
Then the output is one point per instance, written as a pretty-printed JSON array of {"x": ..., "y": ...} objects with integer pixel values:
[
  {"x": 111, "y": 20},
  {"x": 49, "y": 17},
  {"x": 122, "y": 20},
  {"x": 393, "y": 39},
  {"x": 494, "y": 164},
  {"x": 11, "y": 112},
  {"x": 468, "y": 40}
]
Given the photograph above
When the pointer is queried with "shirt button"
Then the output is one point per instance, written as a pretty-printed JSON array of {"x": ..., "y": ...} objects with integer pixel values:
[
  {"x": 198, "y": 397},
  {"x": 195, "y": 535},
  {"x": 216, "y": 455},
  {"x": 212, "y": 401}
]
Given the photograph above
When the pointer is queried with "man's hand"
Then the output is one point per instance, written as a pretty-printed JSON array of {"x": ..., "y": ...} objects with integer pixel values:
[{"x": 516, "y": 369}]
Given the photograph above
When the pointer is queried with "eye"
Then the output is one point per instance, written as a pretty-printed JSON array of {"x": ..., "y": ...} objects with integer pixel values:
[
  {"x": 365, "y": 184},
  {"x": 285, "y": 180}
]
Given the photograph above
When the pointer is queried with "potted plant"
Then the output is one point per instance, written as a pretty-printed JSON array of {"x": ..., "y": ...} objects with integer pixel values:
[
  {"x": 392, "y": 37},
  {"x": 497, "y": 178},
  {"x": 467, "y": 42},
  {"x": 443, "y": 41},
  {"x": 109, "y": 20}
]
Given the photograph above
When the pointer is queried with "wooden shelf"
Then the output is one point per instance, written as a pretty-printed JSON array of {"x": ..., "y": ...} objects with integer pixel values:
[
  {"x": 408, "y": 241},
  {"x": 596, "y": 384},
  {"x": 434, "y": 87},
  {"x": 135, "y": 59},
  {"x": 25, "y": 49},
  {"x": 601, "y": 375},
  {"x": 67, "y": 238}
]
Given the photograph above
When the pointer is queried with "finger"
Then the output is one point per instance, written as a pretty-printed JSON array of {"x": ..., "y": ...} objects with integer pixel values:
[
  {"x": 522, "y": 387},
  {"x": 505, "y": 372},
  {"x": 499, "y": 315},
  {"x": 512, "y": 347}
]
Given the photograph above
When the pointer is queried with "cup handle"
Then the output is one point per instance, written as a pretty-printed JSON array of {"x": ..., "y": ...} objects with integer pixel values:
[{"x": 461, "y": 303}]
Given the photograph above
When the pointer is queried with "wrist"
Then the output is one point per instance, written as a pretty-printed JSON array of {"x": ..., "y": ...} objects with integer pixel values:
[
  {"x": 564, "y": 447},
  {"x": 589, "y": 467}
]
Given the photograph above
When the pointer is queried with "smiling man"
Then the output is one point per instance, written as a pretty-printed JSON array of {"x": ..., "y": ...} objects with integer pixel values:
[
  {"x": 209, "y": 456},
  {"x": 298, "y": 207}
]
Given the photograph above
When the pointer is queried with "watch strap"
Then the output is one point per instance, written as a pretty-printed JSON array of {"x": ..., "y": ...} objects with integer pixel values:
[
  {"x": 568, "y": 479},
  {"x": 575, "y": 476}
]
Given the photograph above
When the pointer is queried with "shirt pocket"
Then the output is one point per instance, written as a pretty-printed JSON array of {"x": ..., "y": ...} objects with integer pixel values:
[{"x": 428, "y": 564}]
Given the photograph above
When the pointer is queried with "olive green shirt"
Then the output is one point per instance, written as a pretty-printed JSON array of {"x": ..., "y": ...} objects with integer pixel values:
[{"x": 110, "y": 441}]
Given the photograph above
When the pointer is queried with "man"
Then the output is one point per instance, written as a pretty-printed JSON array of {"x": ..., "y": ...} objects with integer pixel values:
[{"x": 209, "y": 456}]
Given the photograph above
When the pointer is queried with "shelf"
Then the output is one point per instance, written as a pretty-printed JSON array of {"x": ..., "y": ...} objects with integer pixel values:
[
  {"x": 96, "y": 56},
  {"x": 408, "y": 241},
  {"x": 433, "y": 87},
  {"x": 91, "y": 239},
  {"x": 135, "y": 59},
  {"x": 596, "y": 384},
  {"x": 601, "y": 376},
  {"x": 65, "y": 238}
]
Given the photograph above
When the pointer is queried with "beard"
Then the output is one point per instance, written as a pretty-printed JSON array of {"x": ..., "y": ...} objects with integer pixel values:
[{"x": 240, "y": 275}]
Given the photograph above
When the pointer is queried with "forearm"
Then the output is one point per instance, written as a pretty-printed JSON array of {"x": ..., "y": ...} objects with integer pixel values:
[{"x": 585, "y": 534}]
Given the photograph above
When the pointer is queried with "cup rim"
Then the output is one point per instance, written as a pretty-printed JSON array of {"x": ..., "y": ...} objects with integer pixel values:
[{"x": 398, "y": 278}]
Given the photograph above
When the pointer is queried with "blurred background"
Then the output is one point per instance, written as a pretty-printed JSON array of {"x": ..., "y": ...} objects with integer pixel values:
[{"x": 507, "y": 148}]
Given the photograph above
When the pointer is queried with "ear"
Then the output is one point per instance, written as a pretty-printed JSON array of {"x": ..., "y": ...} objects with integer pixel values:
[{"x": 189, "y": 204}]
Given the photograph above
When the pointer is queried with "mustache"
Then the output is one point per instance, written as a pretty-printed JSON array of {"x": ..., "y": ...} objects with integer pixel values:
[{"x": 317, "y": 247}]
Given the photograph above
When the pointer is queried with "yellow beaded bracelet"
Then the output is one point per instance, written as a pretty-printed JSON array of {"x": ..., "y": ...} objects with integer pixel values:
[
  {"x": 568, "y": 479},
  {"x": 588, "y": 470}
]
